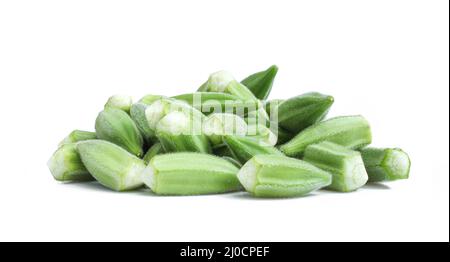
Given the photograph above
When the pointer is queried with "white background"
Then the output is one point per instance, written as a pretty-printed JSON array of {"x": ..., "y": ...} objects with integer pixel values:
[{"x": 60, "y": 61}]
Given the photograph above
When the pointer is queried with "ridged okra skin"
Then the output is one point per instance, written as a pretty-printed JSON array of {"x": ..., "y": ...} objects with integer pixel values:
[
  {"x": 77, "y": 136},
  {"x": 275, "y": 176},
  {"x": 260, "y": 83},
  {"x": 300, "y": 112},
  {"x": 117, "y": 127},
  {"x": 137, "y": 113},
  {"x": 111, "y": 165},
  {"x": 283, "y": 136},
  {"x": 386, "y": 164},
  {"x": 181, "y": 132},
  {"x": 217, "y": 125},
  {"x": 262, "y": 133},
  {"x": 345, "y": 165},
  {"x": 190, "y": 174},
  {"x": 244, "y": 148},
  {"x": 154, "y": 150},
  {"x": 352, "y": 132},
  {"x": 218, "y": 102},
  {"x": 121, "y": 102},
  {"x": 65, "y": 164},
  {"x": 271, "y": 106}
]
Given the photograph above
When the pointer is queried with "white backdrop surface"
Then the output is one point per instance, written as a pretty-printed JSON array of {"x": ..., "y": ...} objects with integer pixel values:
[{"x": 60, "y": 61}]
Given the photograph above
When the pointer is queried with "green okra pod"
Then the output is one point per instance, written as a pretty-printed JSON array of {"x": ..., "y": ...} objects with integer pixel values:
[
  {"x": 244, "y": 148},
  {"x": 218, "y": 102},
  {"x": 279, "y": 176},
  {"x": 345, "y": 165},
  {"x": 65, "y": 164},
  {"x": 190, "y": 174},
  {"x": 386, "y": 164},
  {"x": 352, "y": 132},
  {"x": 177, "y": 133},
  {"x": 260, "y": 83},
  {"x": 300, "y": 112},
  {"x": 137, "y": 113},
  {"x": 77, "y": 136},
  {"x": 116, "y": 126},
  {"x": 111, "y": 165},
  {"x": 223, "y": 81}
]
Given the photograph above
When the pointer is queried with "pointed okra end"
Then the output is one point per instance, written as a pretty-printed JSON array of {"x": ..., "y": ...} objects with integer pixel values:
[
  {"x": 117, "y": 127},
  {"x": 260, "y": 83},
  {"x": 276, "y": 176},
  {"x": 111, "y": 165},
  {"x": 65, "y": 165},
  {"x": 121, "y": 102},
  {"x": 300, "y": 112}
]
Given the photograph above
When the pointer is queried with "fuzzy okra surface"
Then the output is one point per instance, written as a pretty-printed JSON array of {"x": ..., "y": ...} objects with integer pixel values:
[{"x": 227, "y": 136}]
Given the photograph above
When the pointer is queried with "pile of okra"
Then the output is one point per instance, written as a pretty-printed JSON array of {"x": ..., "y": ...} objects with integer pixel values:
[{"x": 227, "y": 136}]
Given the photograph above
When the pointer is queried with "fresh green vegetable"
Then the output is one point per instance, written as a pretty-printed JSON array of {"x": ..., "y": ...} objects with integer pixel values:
[
  {"x": 243, "y": 148},
  {"x": 65, "y": 164},
  {"x": 217, "y": 102},
  {"x": 111, "y": 165},
  {"x": 260, "y": 83},
  {"x": 78, "y": 135},
  {"x": 352, "y": 132},
  {"x": 137, "y": 113},
  {"x": 116, "y": 126},
  {"x": 386, "y": 164},
  {"x": 176, "y": 133},
  {"x": 190, "y": 174},
  {"x": 345, "y": 165},
  {"x": 280, "y": 176},
  {"x": 300, "y": 112}
]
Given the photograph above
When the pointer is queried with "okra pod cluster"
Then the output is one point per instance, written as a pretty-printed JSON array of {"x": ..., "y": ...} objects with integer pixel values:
[{"x": 227, "y": 136}]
